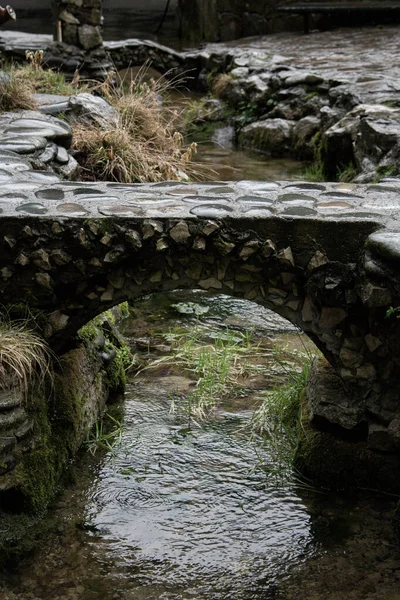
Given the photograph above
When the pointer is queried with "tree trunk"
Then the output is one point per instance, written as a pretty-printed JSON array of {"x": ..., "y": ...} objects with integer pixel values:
[
  {"x": 79, "y": 22},
  {"x": 199, "y": 20}
]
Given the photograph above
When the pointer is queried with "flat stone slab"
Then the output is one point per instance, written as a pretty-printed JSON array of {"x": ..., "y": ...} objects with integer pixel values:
[
  {"x": 23, "y": 41},
  {"x": 50, "y": 99}
]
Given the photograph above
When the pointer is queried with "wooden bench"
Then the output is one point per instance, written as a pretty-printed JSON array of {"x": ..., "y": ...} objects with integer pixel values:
[{"x": 344, "y": 8}]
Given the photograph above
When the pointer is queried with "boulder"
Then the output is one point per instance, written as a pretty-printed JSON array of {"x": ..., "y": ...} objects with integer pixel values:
[
  {"x": 257, "y": 87},
  {"x": 89, "y": 37},
  {"x": 301, "y": 78},
  {"x": 211, "y": 110},
  {"x": 303, "y": 137},
  {"x": 92, "y": 110},
  {"x": 328, "y": 399},
  {"x": 378, "y": 138},
  {"x": 337, "y": 145},
  {"x": 270, "y": 136},
  {"x": 367, "y": 137},
  {"x": 329, "y": 116}
]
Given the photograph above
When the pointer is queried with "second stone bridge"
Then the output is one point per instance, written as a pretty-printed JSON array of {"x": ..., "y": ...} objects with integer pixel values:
[{"x": 324, "y": 256}]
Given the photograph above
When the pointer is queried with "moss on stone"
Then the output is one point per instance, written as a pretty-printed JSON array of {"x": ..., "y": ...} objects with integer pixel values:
[
  {"x": 61, "y": 416},
  {"x": 89, "y": 332},
  {"x": 116, "y": 376},
  {"x": 124, "y": 309},
  {"x": 32, "y": 483},
  {"x": 57, "y": 418},
  {"x": 114, "y": 343}
]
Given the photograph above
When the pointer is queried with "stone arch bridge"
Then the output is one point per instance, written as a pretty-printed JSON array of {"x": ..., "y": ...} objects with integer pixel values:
[{"x": 325, "y": 256}]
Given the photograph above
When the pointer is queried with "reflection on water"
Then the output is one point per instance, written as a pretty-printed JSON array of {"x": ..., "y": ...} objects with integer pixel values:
[
  {"x": 186, "y": 514},
  {"x": 230, "y": 164}
]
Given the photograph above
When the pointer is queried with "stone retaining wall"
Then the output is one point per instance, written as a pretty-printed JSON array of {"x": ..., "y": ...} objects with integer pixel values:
[{"x": 42, "y": 429}]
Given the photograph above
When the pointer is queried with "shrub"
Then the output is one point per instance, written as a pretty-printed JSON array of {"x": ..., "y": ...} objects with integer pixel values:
[{"x": 221, "y": 84}]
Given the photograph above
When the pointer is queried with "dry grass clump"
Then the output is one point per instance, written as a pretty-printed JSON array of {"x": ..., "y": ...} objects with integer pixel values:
[
  {"x": 16, "y": 93},
  {"x": 24, "y": 355},
  {"x": 21, "y": 82},
  {"x": 221, "y": 84},
  {"x": 47, "y": 81},
  {"x": 141, "y": 145}
]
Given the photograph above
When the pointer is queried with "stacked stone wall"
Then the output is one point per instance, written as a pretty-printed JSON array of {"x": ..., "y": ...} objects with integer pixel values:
[{"x": 80, "y": 21}]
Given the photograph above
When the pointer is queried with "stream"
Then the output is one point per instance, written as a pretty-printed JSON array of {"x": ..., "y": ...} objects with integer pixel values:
[{"x": 180, "y": 513}]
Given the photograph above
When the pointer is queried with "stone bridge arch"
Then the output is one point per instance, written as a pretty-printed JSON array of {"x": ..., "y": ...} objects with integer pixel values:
[{"x": 334, "y": 276}]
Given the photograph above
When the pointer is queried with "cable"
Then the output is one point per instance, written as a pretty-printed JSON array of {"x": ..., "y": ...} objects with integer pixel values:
[{"x": 164, "y": 16}]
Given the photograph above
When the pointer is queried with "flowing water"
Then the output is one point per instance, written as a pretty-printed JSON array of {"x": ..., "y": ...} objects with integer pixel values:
[
  {"x": 176, "y": 514},
  {"x": 231, "y": 164}
]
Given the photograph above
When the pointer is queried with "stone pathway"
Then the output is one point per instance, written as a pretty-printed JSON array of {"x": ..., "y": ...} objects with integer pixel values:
[
  {"x": 333, "y": 97},
  {"x": 24, "y": 191},
  {"x": 364, "y": 57}
]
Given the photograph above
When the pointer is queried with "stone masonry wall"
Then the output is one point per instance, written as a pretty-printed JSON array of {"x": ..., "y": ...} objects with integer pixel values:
[{"x": 81, "y": 21}]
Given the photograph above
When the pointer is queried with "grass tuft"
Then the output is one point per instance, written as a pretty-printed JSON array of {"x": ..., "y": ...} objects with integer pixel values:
[
  {"x": 24, "y": 355},
  {"x": 105, "y": 435},
  {"x": 314, "y": 172},
  {"x": 21, "y": 82},
  {"x": 347, "y": 173},
  {"x": 216, "y": 365},
  {"x": 274, "y": 425},
  {"x": 16, "y": 92},
  {"x": 221, "y": 84}
]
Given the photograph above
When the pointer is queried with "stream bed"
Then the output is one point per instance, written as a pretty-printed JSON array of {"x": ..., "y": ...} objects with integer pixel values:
[{"x": 176, "y": 513}]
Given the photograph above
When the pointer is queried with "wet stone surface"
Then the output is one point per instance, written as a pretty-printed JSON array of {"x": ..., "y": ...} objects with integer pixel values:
[{"x": 330, "y": 201}]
